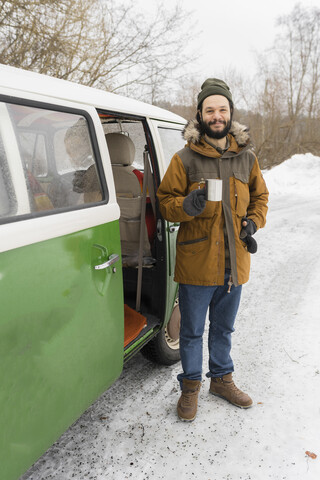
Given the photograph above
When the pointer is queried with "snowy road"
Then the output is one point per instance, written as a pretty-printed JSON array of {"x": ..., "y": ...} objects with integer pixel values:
[{"x": 132, "y": 431}]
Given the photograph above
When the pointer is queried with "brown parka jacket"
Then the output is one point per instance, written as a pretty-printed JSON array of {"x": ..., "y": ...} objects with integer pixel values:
[{"x": 200, "y": 253}]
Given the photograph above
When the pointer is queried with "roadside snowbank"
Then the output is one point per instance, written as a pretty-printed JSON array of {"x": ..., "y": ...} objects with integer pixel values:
[{"x": 300, "y": 175}]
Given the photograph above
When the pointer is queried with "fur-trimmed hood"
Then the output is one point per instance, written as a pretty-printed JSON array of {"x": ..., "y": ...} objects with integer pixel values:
[{"x": 192, "y": 134}]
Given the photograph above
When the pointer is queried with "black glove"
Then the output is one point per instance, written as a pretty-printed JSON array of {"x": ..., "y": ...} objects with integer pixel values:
[
  {"x": 246, "y": 234},
  {"x": 252, "y": 245},
  {"x": 195, "y": 202},
  {"x": 250, "y": 228}
]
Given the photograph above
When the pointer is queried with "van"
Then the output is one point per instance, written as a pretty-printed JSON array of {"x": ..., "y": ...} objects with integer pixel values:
[{"x": 86, "y": 260}]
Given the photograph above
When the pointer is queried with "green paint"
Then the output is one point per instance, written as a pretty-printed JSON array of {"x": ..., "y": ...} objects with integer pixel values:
[
  {"x": 61, "y": 339},
  {"x": 139, "y": 342}
]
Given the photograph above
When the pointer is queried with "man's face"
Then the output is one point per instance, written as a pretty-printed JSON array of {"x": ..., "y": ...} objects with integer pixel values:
[{"x": 216, "y": 116}]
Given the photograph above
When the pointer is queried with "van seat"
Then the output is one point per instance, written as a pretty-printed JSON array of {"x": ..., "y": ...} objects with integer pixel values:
[{"x": 129, "y": 196}]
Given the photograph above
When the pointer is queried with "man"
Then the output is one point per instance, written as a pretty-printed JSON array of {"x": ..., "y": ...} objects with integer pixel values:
[{"x": 214, "y": 239}]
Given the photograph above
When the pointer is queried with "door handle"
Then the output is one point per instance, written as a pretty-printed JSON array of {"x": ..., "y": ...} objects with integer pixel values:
[{"x": 114, "y": 257}]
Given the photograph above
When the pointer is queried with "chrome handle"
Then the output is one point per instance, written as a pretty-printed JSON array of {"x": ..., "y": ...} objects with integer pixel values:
[
  {"x": 114, "y": 257},
  {"x": 173, "y": 229}
]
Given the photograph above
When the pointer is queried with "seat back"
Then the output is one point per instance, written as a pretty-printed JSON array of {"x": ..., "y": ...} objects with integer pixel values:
[{"x": 129, "y": 197}]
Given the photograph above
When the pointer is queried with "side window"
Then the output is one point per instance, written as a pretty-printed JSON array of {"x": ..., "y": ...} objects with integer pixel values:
[
  {"x": 56, "y": 157},
  {"x": 172, "y": 142},
  {"x": 34, "y": 153},
  {"x": 7, "y": 194},
  {"x": 133, "y": 129}
]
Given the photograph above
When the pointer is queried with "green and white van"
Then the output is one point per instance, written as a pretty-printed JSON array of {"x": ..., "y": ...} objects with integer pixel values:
[{"x": 86, "y": 260}]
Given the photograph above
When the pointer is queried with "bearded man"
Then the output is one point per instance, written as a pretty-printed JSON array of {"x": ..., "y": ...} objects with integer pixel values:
[{"x": 214, "y": 240}]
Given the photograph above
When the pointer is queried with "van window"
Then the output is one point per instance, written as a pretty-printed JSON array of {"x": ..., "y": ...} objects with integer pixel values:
[
  {"x": 132, "y": 129},
  {"x": 7, "y": 195},
  {"x": 172, "y": 141},
  {"x": 56, "y": 157},
  {"x": 35, "y": 156}
]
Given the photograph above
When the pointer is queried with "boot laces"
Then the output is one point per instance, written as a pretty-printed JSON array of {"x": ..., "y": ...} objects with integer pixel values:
[
  {"x": 233, "y": 387},
  {"x": 188, "y": 397}
]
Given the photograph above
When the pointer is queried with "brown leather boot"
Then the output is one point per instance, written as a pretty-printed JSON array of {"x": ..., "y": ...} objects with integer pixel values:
[
  {"x": 224, "y": 387},
  {"x": 188, "y": 402}
]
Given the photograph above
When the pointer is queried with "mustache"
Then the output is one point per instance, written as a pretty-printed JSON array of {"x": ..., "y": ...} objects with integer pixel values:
[{"x": 213, "y": 122}]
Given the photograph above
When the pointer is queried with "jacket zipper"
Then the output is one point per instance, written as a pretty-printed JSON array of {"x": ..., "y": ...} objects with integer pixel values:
[
  {"x": 235, "y": 194},
  {"x": 189, "y": 242},
  {"x": 230, "y": 283}
]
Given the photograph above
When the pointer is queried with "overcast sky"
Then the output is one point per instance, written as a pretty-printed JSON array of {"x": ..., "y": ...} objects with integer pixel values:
[{"x": 231, "y": 31}]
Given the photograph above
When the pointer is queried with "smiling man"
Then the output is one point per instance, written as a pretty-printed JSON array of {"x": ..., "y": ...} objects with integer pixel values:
[
  {"x": 214, "y": 240},
  {"x": 215, "y": 119}
]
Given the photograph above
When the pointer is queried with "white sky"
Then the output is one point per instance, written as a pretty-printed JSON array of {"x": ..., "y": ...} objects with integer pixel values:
[{"x": 231, "y": 31}]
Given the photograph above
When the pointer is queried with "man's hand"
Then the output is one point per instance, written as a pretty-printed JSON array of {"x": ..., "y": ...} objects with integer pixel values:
[
  {"x": 195, "y": 202},
  {"x": 248, "y": 229},
  {"x": 248, "y": 226}
]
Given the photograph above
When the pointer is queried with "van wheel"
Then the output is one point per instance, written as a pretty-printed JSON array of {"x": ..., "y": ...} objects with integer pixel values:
[{"x": 164, "y": 348}]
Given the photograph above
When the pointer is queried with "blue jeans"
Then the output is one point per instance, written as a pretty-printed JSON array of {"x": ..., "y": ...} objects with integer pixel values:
[{"x": 194, "y": 302}]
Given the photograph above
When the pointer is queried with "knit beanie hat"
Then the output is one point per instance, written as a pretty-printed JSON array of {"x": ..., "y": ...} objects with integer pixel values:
[{"x": 214, "y": 86}]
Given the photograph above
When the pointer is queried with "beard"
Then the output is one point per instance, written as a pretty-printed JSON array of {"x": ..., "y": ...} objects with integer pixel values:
[{"x": 205, "y": 129}]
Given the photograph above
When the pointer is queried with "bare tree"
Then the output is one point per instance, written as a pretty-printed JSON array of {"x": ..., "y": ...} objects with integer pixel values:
[
  {"x": 298, "y": 55},
  {"x": 104, "y": 43},
  {"x": 286, "y": 113}
]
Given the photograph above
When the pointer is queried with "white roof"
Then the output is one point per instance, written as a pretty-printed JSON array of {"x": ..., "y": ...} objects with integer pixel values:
[{"x": 43, "y": 85}]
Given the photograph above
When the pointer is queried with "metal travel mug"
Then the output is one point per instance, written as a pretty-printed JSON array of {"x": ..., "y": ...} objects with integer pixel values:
[{"x": 213, "y": 190}]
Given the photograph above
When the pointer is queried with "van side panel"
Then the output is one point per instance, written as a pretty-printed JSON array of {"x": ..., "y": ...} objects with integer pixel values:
[{"x": 61, "y": 338}]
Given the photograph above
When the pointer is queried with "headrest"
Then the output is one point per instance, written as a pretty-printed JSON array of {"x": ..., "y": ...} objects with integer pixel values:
[{"x": 121, "y": 149}]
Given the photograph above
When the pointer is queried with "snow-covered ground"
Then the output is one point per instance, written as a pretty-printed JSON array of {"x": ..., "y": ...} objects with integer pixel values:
[{"x": 132, "y": 430}]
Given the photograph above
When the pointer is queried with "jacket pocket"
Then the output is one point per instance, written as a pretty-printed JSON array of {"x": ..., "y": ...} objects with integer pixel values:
[
  {"x": 192, "y": 247},
  {"x": 241, "y": 193}
]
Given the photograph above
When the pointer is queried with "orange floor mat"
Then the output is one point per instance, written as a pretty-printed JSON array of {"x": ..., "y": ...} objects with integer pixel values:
[{"x": 134, "y": 322}]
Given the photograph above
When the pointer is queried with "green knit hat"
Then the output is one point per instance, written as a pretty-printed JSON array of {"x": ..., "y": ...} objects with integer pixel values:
[{"x": 214, "y": 86}]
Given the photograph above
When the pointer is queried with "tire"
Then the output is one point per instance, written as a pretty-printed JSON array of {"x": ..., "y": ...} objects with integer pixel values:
[{"x": 164, "y": 348}]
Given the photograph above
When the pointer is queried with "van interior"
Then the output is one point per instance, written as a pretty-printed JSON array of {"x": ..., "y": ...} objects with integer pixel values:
[{"x": 143, "y": 258}]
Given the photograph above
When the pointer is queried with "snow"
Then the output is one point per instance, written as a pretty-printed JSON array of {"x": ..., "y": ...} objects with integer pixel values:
[
  {"x": 296, "y": 176},
  {"x": 132, "y": 430}
]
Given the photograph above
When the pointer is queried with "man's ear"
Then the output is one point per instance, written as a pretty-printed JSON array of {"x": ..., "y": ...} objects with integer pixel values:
[{"x": 198, "y": 116}]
